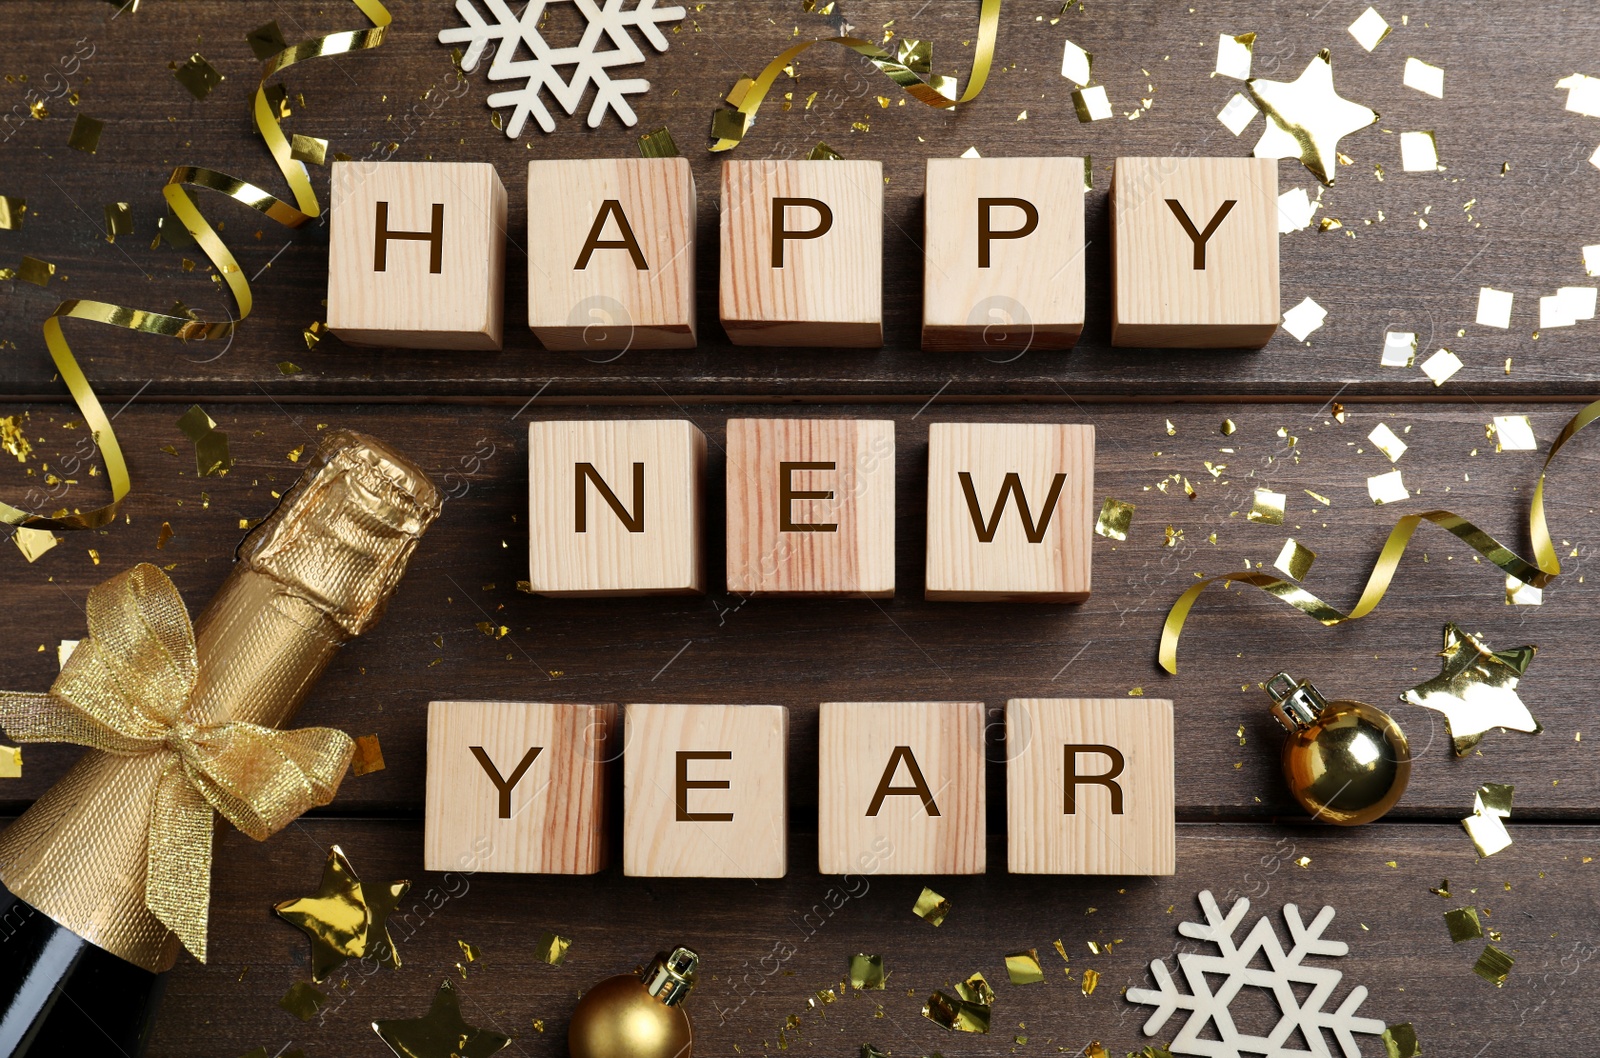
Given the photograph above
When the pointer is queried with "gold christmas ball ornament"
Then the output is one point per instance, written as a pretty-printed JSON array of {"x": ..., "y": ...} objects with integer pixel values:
[
  {"x": 637, "y": 1016},
  {"x": 1345, "y": 762}
]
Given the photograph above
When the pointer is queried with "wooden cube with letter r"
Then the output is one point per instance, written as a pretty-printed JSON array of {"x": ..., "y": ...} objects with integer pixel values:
[
  {"x": 614, "y": 507},
  {"x": 704, "y": 791},
  {"x": 1089, "y": 786}
]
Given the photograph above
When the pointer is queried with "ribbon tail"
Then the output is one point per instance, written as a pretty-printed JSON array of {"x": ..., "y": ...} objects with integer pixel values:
[{"x": 178, "y": 861}]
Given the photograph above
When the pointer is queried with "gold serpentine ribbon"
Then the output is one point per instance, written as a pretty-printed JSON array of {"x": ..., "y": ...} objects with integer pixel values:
[
  {"x": 126, "y": 691},
  {"x": 187, "y": 328},
  {"x": 1544, "y": 568},
  {"x": 909, "y": 66}
]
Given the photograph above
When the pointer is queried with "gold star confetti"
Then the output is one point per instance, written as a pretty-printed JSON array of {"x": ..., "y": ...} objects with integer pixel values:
[
  {"x": 1477, "y": 689},
  {"x": 11, "y": 212},
  {"x": 440, "y": 1033},
  {"x": 866, "y": 971},
  {"x": 1424, "y": 77},
  {"x": 1023, "y": 967},
  {"x": 197, "y": 75},
  {"x": 1307, "y": 118},
  {"x": 1493, "y": 965},
  {"x": 1400, "y": 1041},
  {"x": 1370, "y": 29},
  {"x": 552, "y": 949},
  {"x": 1463, "y": 924},
  {"x": 303, "y": 1001},
  {"x": 85, "y": 135},
  {"x": 1304, "y": 318},
  {"x": 1234, "y": 55},
  {"x": 1091, "y": 978},
  {"x": 334, "y": 918},
  {"x": 1267, "y": 507},
  {"x": 1295, "y": 560},
  {"x": 1115, "y": 518},
  {"x": 368, "y": 757},
  {"x": 931, "y": 907},
  {"x": 382, "y": 900}
]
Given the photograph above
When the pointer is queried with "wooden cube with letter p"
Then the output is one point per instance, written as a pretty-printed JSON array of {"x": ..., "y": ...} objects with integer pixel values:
[
  {"x": 1009, "y": 511},
  {"x": 1194, "y": 252},
  {"x": 1002, "y": 254},
  {"x": 1089, "y": 786},
  {"x": 802, "y": 253},
  {"x": 704, "y": 791},
  {"x": 417, "y": 254},
  {"x": 900, "y": 786},
  {"x": 517, "y": 786},
  {"x": 614, "y": 507},
  {"x": 611, "y": 253}
]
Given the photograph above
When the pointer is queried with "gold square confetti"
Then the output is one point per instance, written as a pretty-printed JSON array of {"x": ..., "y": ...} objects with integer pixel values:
[
  {"x": 195, "y": 423},
  {"x": 85, "y": 135},
  {"x": 308, "y": 149},
  {"x": 823, "y": 153},
  {"x": 1400, "y": 1041},
  {"x": 1578, "y": 303},
  {"x": 1387, "y": 441},
  {"x": 658, "y": 143},
  {"x": 1493, "y": 965},
  {"x": 976, "y": 990},
  {"x": 740, "y": 89},
  {"x": 1514, "y": 433},
  {"x": 1076, "y": 65},
  {"x": 1553, "y": 313},
  {"x": 1419, "y": 152},
  {"x": 1023, "y": 967},
  {"x": 1091, "y": 978},
  {"x": 211, "y": 455},
  {"x": 1387, "y": 488},
  {"x": 10, "y": 762},
  {"x": 1370, "y": 29},
  {"x": 266, "y": 41},
  {"x": 1115, "y": 518},
  {"x": 1442, "y": 366},
  {"x": 1494, "y": 799},
  {"x": 1424, "y": 77},
  {"x": 303, "y": 1001},
  {"x": 368, "y": 756},
  {"x": 728, "y": 125},
  {"x": 35, "y": 271},
  {"x": 957, "y": 1015},
  {"x": 1583, "y": 94},
  {"x": 1463, "y": 924},
  {"x": 1234, "y": 54},
  {"x": 1266, "y": 508},
  {"x": 1237, "y": 115},
  {"x": 119, "y": 220},
  {"x": 1591, "y": 260},
  {"x": 198, "y": 76},
  {"x": 1494, "y": 307},
  {"x": 1399, "y": 349},
  {"x": 1295, "y": 210},
  {"x": 552, "y": 948},
  {"x": 1092, "y": 103},
  {"x": 1488, "y": 834},
  {"x": 931, "y": 907},
  {"x": 34, "y": 543},
  {"x": 1295, "y": 559},
  {"x": 866, "y": 971},
  {"x": 11, "y": 212},
  {"x": 1304, "y": 318}
]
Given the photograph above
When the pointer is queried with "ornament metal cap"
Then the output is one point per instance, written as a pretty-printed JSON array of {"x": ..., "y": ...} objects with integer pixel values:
[
  {"x": 1295, "y": 706},
  {"x": 670, "y": 978}
]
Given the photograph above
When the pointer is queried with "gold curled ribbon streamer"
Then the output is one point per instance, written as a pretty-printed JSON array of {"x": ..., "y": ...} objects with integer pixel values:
[
  {"x": 126, "y": 690},
  {"x": 183, "y": 206},
  {"x": 899, "y": 69},
  {"x": 1545, "y": 567}
]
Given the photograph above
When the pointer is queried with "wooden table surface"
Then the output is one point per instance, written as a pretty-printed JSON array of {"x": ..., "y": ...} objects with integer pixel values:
[{"x": 1512, "y": 210}]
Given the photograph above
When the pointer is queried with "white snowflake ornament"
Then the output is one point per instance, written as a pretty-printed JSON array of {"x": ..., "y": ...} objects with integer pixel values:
[
  {"x": 522, "y": 54},
  {"x": 1299, "y": 1020}
]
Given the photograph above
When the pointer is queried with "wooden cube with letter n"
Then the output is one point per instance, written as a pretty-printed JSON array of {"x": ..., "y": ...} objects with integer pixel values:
[
  {"x": 1194, "y": 252},
  {"x": 614, "y": 507},
  {"x": 517, "y": 786},
  {"x": 1002, "y": 254},
  {"x": 1009, "y": 514},
  {"x": 802, "y": 253},
  {"x": 811, "y": 506},
  {"x": 900, "y": 786},
  {"x": 611, "y": 253},
  {"x": 417, "y": 254},
  {"x": 1089, "y": 786},
  {"x": 704, "y": 791}
]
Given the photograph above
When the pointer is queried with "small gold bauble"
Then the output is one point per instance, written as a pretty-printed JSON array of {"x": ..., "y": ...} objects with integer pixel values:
[
  {"x": 1345, "y": 762},
  {"x": 630, "y": 1016}
]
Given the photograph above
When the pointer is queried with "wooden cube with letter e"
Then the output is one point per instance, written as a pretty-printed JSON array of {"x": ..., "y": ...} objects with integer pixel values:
[
  {"x": 802, "y": 253},
  {"x": 614, "y": 507},
  {"x": 417, "y": 254},
  {"x": 1002, "y": 254},
  {"x": 517, "y": 786},
  {"x": 1194, "y": 252},
  {"x": 704, "y": 791},
  {"x": 611, "y": 253},
  {"x": 1089, "y": 786},
  {"x": 900, "y": 788},
  {"x": 1009, "y": 511},
  {"x": 811, "y": 506}
]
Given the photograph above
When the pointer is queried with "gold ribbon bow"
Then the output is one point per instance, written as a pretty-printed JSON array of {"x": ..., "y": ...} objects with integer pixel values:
[{"x": 126, "y": 690}]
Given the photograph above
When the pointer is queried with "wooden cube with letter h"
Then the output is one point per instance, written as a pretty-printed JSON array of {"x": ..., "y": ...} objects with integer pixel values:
[
  {"x": 901, "y": 788},
  {"x": 1002, "y": 254},
  {"x": 802, "y": 253},
  {"x": 417, "y": 254},
  {"x": 614, "y": 507},
  {"x": 811, "y": 506},
  {"x": 611, "y": 253},
  {"x": 705, "y": 791},
  {"x": 1009, "y": 511},
  {"x": 517, "y": 786},
  {"x": 1194, "y": 252},
  {"x": 1089, "y": 786}
]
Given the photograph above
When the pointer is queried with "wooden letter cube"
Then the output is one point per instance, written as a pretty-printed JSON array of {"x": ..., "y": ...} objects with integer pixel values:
[
  {"x": 901, "y": 788},
  {"x": 1194, "y": 252},
  {"x": 517, "y": 786},
  {"x": 1089, "y": 786},
  {"x": 1009, "y": 511},
  {"x": 611, "y": 253},
  {"x": 1002, "y": 254},
  {"x": 811, "y": 506},
  {"x": 704, "y": 791},
  {"x": 417, "y": 254},
  {"x": 614, "y": 507},
  {"x": 802, "y": 253}
]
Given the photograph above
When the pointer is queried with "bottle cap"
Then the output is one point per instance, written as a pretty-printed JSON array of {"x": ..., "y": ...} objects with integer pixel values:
[{"x": 670, "y": 978}]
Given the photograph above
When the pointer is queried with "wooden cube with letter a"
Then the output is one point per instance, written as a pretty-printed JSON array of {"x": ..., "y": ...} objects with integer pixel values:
[
  {"x": 811, "y": 506},
  {"x": 611, "y": 253},
  {"x": 517, "y": 786},
  {"x": 1194, "y": 252},
  {"x": 614, "y": 507},
  {"x": 1009, "y": 511},
  {"x": 1002, "y": 254},
  {"x": 704, "y": 791},
  {"x": 417, "y": 254},
  {"x": 802, "y": 253},
  {"x": 900, "y": 786},
  {"x": 1089, "y": 786}
]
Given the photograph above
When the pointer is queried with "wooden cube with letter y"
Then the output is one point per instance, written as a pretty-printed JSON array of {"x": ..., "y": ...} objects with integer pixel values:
[
  {"x": 1194, "y": 252},
  {"x": 614, "y": 507},
  {"x": 517, "y": 786},
  {"x": 900, "y": 788},
  {"x": 611, "y": 253},
  {"x": 417, "y": 254},
  {"x": 1009, "y": 512},
  {"x": 704, "y": 791},
  {"x": 1089, "y": 786}
]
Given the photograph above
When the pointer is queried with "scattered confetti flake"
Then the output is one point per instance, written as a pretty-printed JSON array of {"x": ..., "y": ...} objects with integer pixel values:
[
  {"x": 35, "y": 543},
  {"x": 368, "y": 756},
  {"x": 1387, "y": 442},
  {"x": 1370, "y": 29},
  {"x": 1578, "y": 302},
  {"x": 659, "y": 143},
  {"x": 1233, "y": 56},
  {"x": 1583, "y": 94},
  {"x": 1494, "y": 307},
  {"x": 1591, "y": 260},
  {"x": 1442, "y": 366},
  {"x": 1266, "y": 508},
  {"x": 931, "y": 907},
  {"x": 289, "y": 367},
  {"x": 266, "y": 41},
  {"x": 1463, "y": 924},
  {"x": 1514, "y": 433},
  {"x": 976, "y": 990},
  {"x": 1553, "y": 313},
  {"x": 1228, "y": 427},
  {"x": 1419, "y": 152},
  {"x": 1115, "y": 518},
  {"x": 823, "y": 153},
  {"x": 1303, "y": 862},
  {"x": 197, "y": 75},
  {"x": 303, "y": 1001},
  {"x": 1493, "y": 965},
  {"x": 1091, "y": 978},
  {"x": 32, "y": 270},
  {"x": 10, "y": 762},
  {"x": 957, "y": 1015},
  {"x": 1295, "y": 560},
  {"x": 971, "y": 152},
  {"x": 1520, "y": 594},
  {"x": 1399, "y": 349},
  {"x": 1424, "y": 77},
  {"x": 1076, "y": 65},
  {"x": 85, "y": 135},
  {"x": 1023, "y": 967},
  {"x": 1494, "y": 799},
  {"x": 11, "y": 212},
  {"x": 1295, "y": 209},
  {"x": 1092, "y": 103},
  {"x": 552, "y": 949},
  {"x": 1304, "y": 318},
  {"x": 119, "y": 220},
  {"x": 1237, "y": 115},
  {"x": 313, "y": 334},
  {"x": 309, "y": 149},
  {"x": 866, "y": 971},
  {"x": 1387, "y": 488},
  {"x": 1400, "y": 1041}
]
